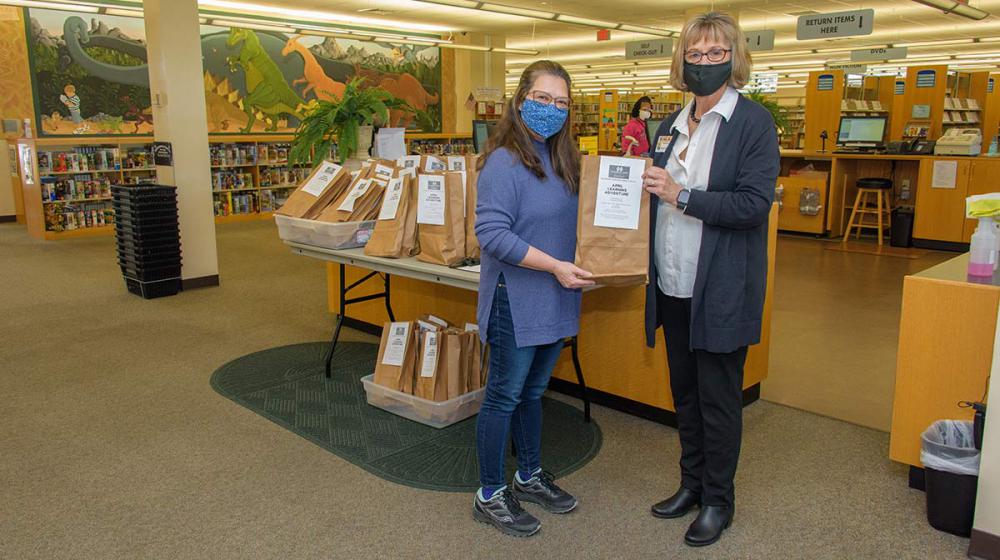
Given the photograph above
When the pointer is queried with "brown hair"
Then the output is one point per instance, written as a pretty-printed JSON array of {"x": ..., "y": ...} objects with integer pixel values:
[
  {"x": 719, "y": 27},
  {"x": 511, "y": 132}
]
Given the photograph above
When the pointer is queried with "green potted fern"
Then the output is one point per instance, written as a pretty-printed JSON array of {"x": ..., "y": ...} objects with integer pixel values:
[
  {"x": 780, "y": 118},
  {"x": 342, "y": 122}
]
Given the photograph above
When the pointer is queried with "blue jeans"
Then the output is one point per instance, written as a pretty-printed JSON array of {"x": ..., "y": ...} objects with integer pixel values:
[{"x": 517, "y": 378}]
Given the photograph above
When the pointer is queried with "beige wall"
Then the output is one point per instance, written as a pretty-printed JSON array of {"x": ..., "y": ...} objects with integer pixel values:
[
  {"x": 988, "y": 496},
  {"x": 475, "y": 69}
]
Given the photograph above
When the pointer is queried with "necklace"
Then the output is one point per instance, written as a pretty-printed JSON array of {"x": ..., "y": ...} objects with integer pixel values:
[{"x": 694, "y": 109}]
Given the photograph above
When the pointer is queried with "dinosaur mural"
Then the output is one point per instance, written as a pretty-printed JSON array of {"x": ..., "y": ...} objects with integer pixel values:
[
  {"x": 324, "y": 88},
  {"x": 254, "y": 81},
  {"x": 267, "y": 89}
]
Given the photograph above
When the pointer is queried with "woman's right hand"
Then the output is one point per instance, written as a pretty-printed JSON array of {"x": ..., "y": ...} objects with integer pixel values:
[{"x": 571, "y": 276}]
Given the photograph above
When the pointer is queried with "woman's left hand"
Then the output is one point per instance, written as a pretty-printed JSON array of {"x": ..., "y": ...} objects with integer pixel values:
[{"x": 656, "y": 180}]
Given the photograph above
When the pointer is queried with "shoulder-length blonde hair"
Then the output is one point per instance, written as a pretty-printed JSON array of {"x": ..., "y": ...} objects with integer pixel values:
[{"x": 714, "y": 26}]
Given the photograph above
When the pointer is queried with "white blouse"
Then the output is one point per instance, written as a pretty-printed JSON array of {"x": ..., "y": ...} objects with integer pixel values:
[{"x": 678, "y": 236}]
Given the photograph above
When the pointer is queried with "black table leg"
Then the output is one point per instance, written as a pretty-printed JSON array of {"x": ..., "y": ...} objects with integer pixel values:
[
  {"x": 584, "y": 396},
  {"x": 344, "y": 302},
  {"x": 333, "y": 344}
]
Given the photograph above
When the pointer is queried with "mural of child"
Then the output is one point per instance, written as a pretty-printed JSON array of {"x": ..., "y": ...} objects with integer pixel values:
[{"x": 72, "y": 102}]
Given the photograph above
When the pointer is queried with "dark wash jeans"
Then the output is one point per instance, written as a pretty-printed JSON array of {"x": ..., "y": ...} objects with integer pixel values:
[{"x": 513, "y": 402}]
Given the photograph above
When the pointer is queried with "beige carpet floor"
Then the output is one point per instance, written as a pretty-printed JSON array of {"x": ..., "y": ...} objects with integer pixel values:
[{"x": 113, "y": 445}]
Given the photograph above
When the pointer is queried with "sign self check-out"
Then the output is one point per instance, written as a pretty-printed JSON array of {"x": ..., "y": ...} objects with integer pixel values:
[{"x": 836, "y": 24}]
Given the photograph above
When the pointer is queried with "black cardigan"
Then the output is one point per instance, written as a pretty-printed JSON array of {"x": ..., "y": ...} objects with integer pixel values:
[{"x": 731, "y": 280}]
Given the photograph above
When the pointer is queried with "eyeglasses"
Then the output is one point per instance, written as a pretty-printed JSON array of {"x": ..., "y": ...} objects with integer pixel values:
[
  {"x": 562, "y": 103},
  {"x": 715, "y": 54}
]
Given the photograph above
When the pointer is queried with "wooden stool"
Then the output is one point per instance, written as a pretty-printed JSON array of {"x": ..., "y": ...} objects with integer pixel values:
[{"x": 880, "y": 189}]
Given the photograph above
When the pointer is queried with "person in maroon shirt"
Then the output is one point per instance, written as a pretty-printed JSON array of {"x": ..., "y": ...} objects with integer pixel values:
[{"x": 635, "y": 141}]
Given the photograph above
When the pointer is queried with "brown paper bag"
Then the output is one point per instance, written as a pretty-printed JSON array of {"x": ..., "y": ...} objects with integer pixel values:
[
  {"x": 440, "y": 243},
  {"x": 431, "y": 383},
  {"x": 354, "y": 200},
  {"x": 395, "y": 235},
  {"x": 471, "y": 192},
  {"x": 473, "y": 355},
  {"x": 432, "y": 164},
  {"x": 398, "y": 378},
  {"x": 616, "y": 256},
  {"x": 455, "y": 362},
  {"x": 326, "y": 182}
]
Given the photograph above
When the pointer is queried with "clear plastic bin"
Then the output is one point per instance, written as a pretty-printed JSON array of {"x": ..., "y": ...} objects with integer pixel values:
[
  {"x": 431, "y": 413},
  {"x": 344, "y": 235}
]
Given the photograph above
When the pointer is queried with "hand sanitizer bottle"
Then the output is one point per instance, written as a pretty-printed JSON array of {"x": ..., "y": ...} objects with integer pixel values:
[
  {"x": 982, "y": 250},
  {"x": 996, "y": 236}
]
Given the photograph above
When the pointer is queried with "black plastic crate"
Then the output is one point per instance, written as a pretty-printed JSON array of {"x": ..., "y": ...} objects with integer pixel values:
[
  {"x": 145, "y": 210},
  {"x": 167, "y": 244},
  {"x": 142, "y": 254},
  {"x": 154, "y": 289},
  {"x": 141, "y": 226},
  {"x": 152, "y": 231},
  {"x": 146, "y": 189},
  {"x": 151, "y": 274},
  {"x": 149, "y": 263}
]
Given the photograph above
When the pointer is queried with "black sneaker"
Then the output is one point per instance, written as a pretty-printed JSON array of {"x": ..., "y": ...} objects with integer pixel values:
[
  {"x": 542, "y": 490},
  {"x": 504, "y": 512}
]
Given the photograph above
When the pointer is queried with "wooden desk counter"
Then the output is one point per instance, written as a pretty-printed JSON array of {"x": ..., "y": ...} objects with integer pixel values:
[
  {"x": 939, "y": 213},
  {"x": 619, "y": 369},
  {"x": 946, "y": 337}
]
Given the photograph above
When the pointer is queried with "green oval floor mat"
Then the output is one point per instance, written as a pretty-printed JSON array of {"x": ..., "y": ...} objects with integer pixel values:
[{"x": 286, "y": 385}]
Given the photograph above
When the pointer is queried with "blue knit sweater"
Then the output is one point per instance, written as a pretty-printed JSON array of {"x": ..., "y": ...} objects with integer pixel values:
[{"x": 515, "y": 210}]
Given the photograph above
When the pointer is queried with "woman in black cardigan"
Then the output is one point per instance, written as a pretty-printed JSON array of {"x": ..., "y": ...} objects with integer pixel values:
[{"x": 716, "y": 163}]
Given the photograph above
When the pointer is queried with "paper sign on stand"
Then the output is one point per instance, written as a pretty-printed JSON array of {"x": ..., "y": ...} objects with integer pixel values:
[
  {"x": 390, "y": 143},
  {"x": 619, "y": 192}
]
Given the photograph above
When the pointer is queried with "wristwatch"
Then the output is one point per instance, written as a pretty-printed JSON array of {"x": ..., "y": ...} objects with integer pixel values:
[{"x": 682, "y": 199}]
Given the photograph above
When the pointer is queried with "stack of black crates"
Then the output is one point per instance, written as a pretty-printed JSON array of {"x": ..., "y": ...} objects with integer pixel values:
[{"x": 149, "y": 240}]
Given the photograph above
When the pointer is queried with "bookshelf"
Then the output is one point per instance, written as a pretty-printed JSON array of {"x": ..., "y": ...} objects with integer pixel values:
[
  {"x": 69, "y": 193},
  {"x": 587, "y": 113},
  {"x": 963, "y": 113}
]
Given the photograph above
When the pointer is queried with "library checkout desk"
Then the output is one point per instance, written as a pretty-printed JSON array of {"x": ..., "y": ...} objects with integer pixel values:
[
  {"x": 621, "y": 372},
  {"x": 946, "y": 337},
  {"x": 934, "y": 186}
]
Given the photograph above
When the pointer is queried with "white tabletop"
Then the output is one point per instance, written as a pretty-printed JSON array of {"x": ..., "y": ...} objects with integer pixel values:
[{"x": 408, "y": 267}]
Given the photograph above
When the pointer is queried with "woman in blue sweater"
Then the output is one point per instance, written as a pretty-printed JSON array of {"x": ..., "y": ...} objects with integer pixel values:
[{"x": 529, "y": 289}]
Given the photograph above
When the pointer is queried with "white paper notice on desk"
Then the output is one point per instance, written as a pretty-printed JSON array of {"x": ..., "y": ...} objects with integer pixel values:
[
  {"x": 321, "y": 180},
  {"x": 390, "y": 143},
  {"x": 430, "y": 356},
  {"x": 430, "y": 200},
  {"x": 357, "y": 192},
  {"x": 390, "y": 199},
  {"x": 395, "y": 347},
  {"x": 944, "y": 175},
  {"x": 619, "y": 192}
]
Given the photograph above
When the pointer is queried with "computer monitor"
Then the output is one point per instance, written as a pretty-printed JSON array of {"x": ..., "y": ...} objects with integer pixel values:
[
  {"x": 481, "y": 131},
  {"x": 652, "y": 125},
  {"x": 861, "y": 132}
]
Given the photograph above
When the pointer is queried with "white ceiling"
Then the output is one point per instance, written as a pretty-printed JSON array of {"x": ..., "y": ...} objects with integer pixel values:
[{"x": 896, "y": 21}]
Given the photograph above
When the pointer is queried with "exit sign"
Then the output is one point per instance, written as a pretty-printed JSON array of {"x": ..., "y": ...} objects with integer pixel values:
[{"x": 603, "y": 34}]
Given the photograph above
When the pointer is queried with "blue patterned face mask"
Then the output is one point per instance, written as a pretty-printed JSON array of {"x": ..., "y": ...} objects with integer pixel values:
[{"x": 544, "y": 120}]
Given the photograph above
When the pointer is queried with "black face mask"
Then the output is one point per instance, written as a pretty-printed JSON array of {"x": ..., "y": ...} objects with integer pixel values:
[{"x": 706, "y": 79}]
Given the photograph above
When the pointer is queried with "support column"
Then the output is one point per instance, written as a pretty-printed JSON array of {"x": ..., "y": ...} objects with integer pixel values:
[
  {"x": 175, "y": 81},
  {"x": 474, "y": 69}
]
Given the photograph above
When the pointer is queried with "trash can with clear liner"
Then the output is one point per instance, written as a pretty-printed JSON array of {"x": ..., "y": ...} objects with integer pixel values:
[{"x": 951, "y": 473}]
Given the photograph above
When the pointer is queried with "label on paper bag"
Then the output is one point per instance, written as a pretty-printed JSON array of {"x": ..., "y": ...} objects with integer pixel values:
[
  {"x": 471, "y": 327},
  {"x": 619, "y": 192},
  {"x": 425, "y": 326},
  {"x": 383, "y": 172},
  {"x": 430, "y": 204},
  {"x": 408, "y": 162},
  {"x": 434, "y": 164},
  {"x": 408, "y": 172},
  {"x": 357, "y": 192},
  {"x": 429, "y": 363},
  {"x": 456, "y": 163},
  {"x": 395, "y": 346},
  {"x": 390, "y": 200},
  {"x": 322, "y": 178},
  {"x": 437, "y": 321}
]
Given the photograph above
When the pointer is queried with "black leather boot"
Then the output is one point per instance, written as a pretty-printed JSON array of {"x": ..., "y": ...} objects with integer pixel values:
[
  {"x": 677, "y": 505},
  {"x": 709, "y": 525}
]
